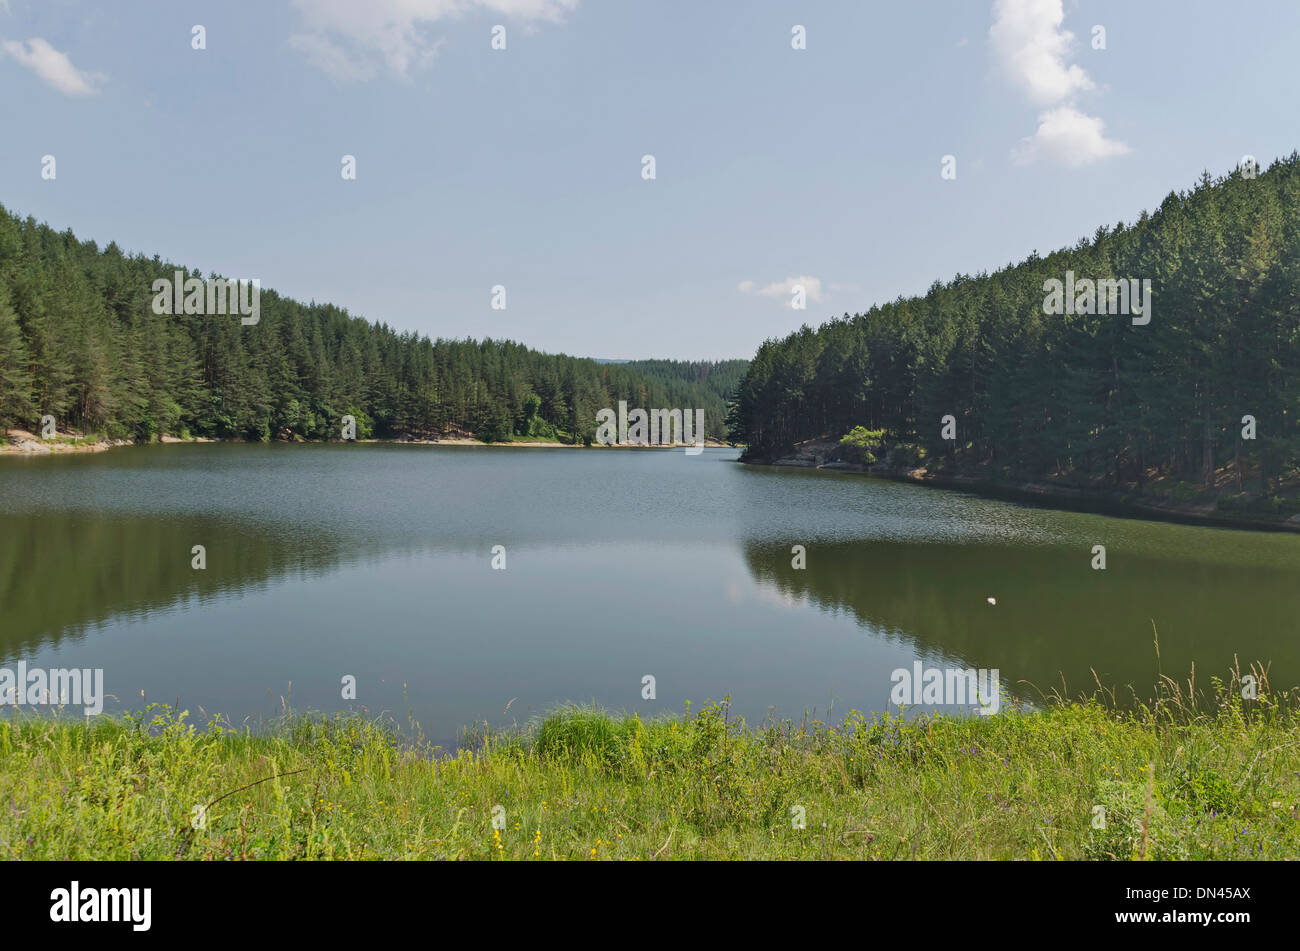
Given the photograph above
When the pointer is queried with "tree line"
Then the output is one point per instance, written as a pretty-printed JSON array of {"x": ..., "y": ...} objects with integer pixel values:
[
  {"x": 1205, "y": 397},
  {"x": 80, "y": 341}
]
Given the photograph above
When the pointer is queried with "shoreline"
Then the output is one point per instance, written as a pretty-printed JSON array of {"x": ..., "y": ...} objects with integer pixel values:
[
  {"x": 1064, "y": 498},
  {"x": 18, "y": 442},
  {"x": 1071, "y": 498},
  {"x": 533, "y": 444},
  {"x": 591, "y": 785},
  {"x": 1067, "y": 498}
]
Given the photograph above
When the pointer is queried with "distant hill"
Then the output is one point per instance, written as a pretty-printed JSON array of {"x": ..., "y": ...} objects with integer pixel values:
[
  {"x": 720, "y": 378},
  {"x": 1043, "y": 371},
  {"x": 79, "y": 340}
]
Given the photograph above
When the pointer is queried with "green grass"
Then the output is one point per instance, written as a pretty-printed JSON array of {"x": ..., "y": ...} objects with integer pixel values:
[{"x": 1176, "y": 780}]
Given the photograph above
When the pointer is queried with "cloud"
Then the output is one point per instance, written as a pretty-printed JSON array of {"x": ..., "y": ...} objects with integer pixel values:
[
  {"x": 1031, "y": 47},
  {"x": 329, "y": 58},
  {"x": 353, "y": 41},
  {"x": 1067, "y": 136},
  {"x": 812, "y": 287},
  {"x": 54, "y": 67}
]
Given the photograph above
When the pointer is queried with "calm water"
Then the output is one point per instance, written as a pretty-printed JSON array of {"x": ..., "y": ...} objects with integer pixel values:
[{"x": 375, "y": 562}]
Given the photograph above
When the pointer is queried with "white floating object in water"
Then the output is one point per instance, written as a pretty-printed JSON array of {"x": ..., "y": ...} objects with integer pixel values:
[{"x": 993, "y": 600}]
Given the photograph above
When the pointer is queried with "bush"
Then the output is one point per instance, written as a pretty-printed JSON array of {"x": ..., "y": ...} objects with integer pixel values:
[
  {"x": 861, "y": 445},
  {"x": 572, "y": 732},
  {"x": 365, "y": 427},
  {"x": 1245, "y": 504},
  {"x": 906, "y": 455}
]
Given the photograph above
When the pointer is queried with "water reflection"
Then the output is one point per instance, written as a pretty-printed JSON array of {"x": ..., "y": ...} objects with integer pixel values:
[{"x": 1056, "y": 620}]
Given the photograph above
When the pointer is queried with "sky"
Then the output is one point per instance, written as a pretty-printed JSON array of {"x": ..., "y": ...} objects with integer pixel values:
[{"x": 903, "y": 143}]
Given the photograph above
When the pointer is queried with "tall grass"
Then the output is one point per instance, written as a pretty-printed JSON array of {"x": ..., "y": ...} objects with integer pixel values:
[{"x": 1194, "y": 773}]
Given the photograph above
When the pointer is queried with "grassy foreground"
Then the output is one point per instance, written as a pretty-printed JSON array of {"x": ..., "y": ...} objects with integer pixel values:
[{"x": 1174, "y": 781}]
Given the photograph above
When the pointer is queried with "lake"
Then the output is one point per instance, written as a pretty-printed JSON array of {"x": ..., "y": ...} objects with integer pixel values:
[{"x": 375, "y": 562}]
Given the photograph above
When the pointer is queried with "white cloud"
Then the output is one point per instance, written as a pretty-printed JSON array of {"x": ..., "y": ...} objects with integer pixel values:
[
  {"x": 1067, "y": 136},
  {"x": 352, "y": 41},
  {"x": 1031, "y": 47},
  {"x": 54, "y": 67},
  {"x": 327, "y": 57},
  {"x": 812, "y": 287},
  {"x": 552, "y": 10}
]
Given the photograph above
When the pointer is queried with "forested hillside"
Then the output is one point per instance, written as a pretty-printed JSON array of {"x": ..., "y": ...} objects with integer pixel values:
[
  {"x": 79, "y": 341},
  {"x": 1093, "y": 399},
  {"x": 720, "y": 378}
]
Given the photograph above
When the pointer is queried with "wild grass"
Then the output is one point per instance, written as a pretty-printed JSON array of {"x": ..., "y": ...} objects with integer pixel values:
[{"x": 1191, "y": 774}]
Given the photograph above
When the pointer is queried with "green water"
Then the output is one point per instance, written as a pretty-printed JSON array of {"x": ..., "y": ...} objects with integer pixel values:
[{"x": 375, "y": 562}]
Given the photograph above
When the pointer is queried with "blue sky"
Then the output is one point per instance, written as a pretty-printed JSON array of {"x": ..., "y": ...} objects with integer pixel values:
[{"x": 522, "y": 167}]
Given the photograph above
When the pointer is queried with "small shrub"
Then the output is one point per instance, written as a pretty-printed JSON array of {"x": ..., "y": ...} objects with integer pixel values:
[{"x": 861, "y": 445}]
